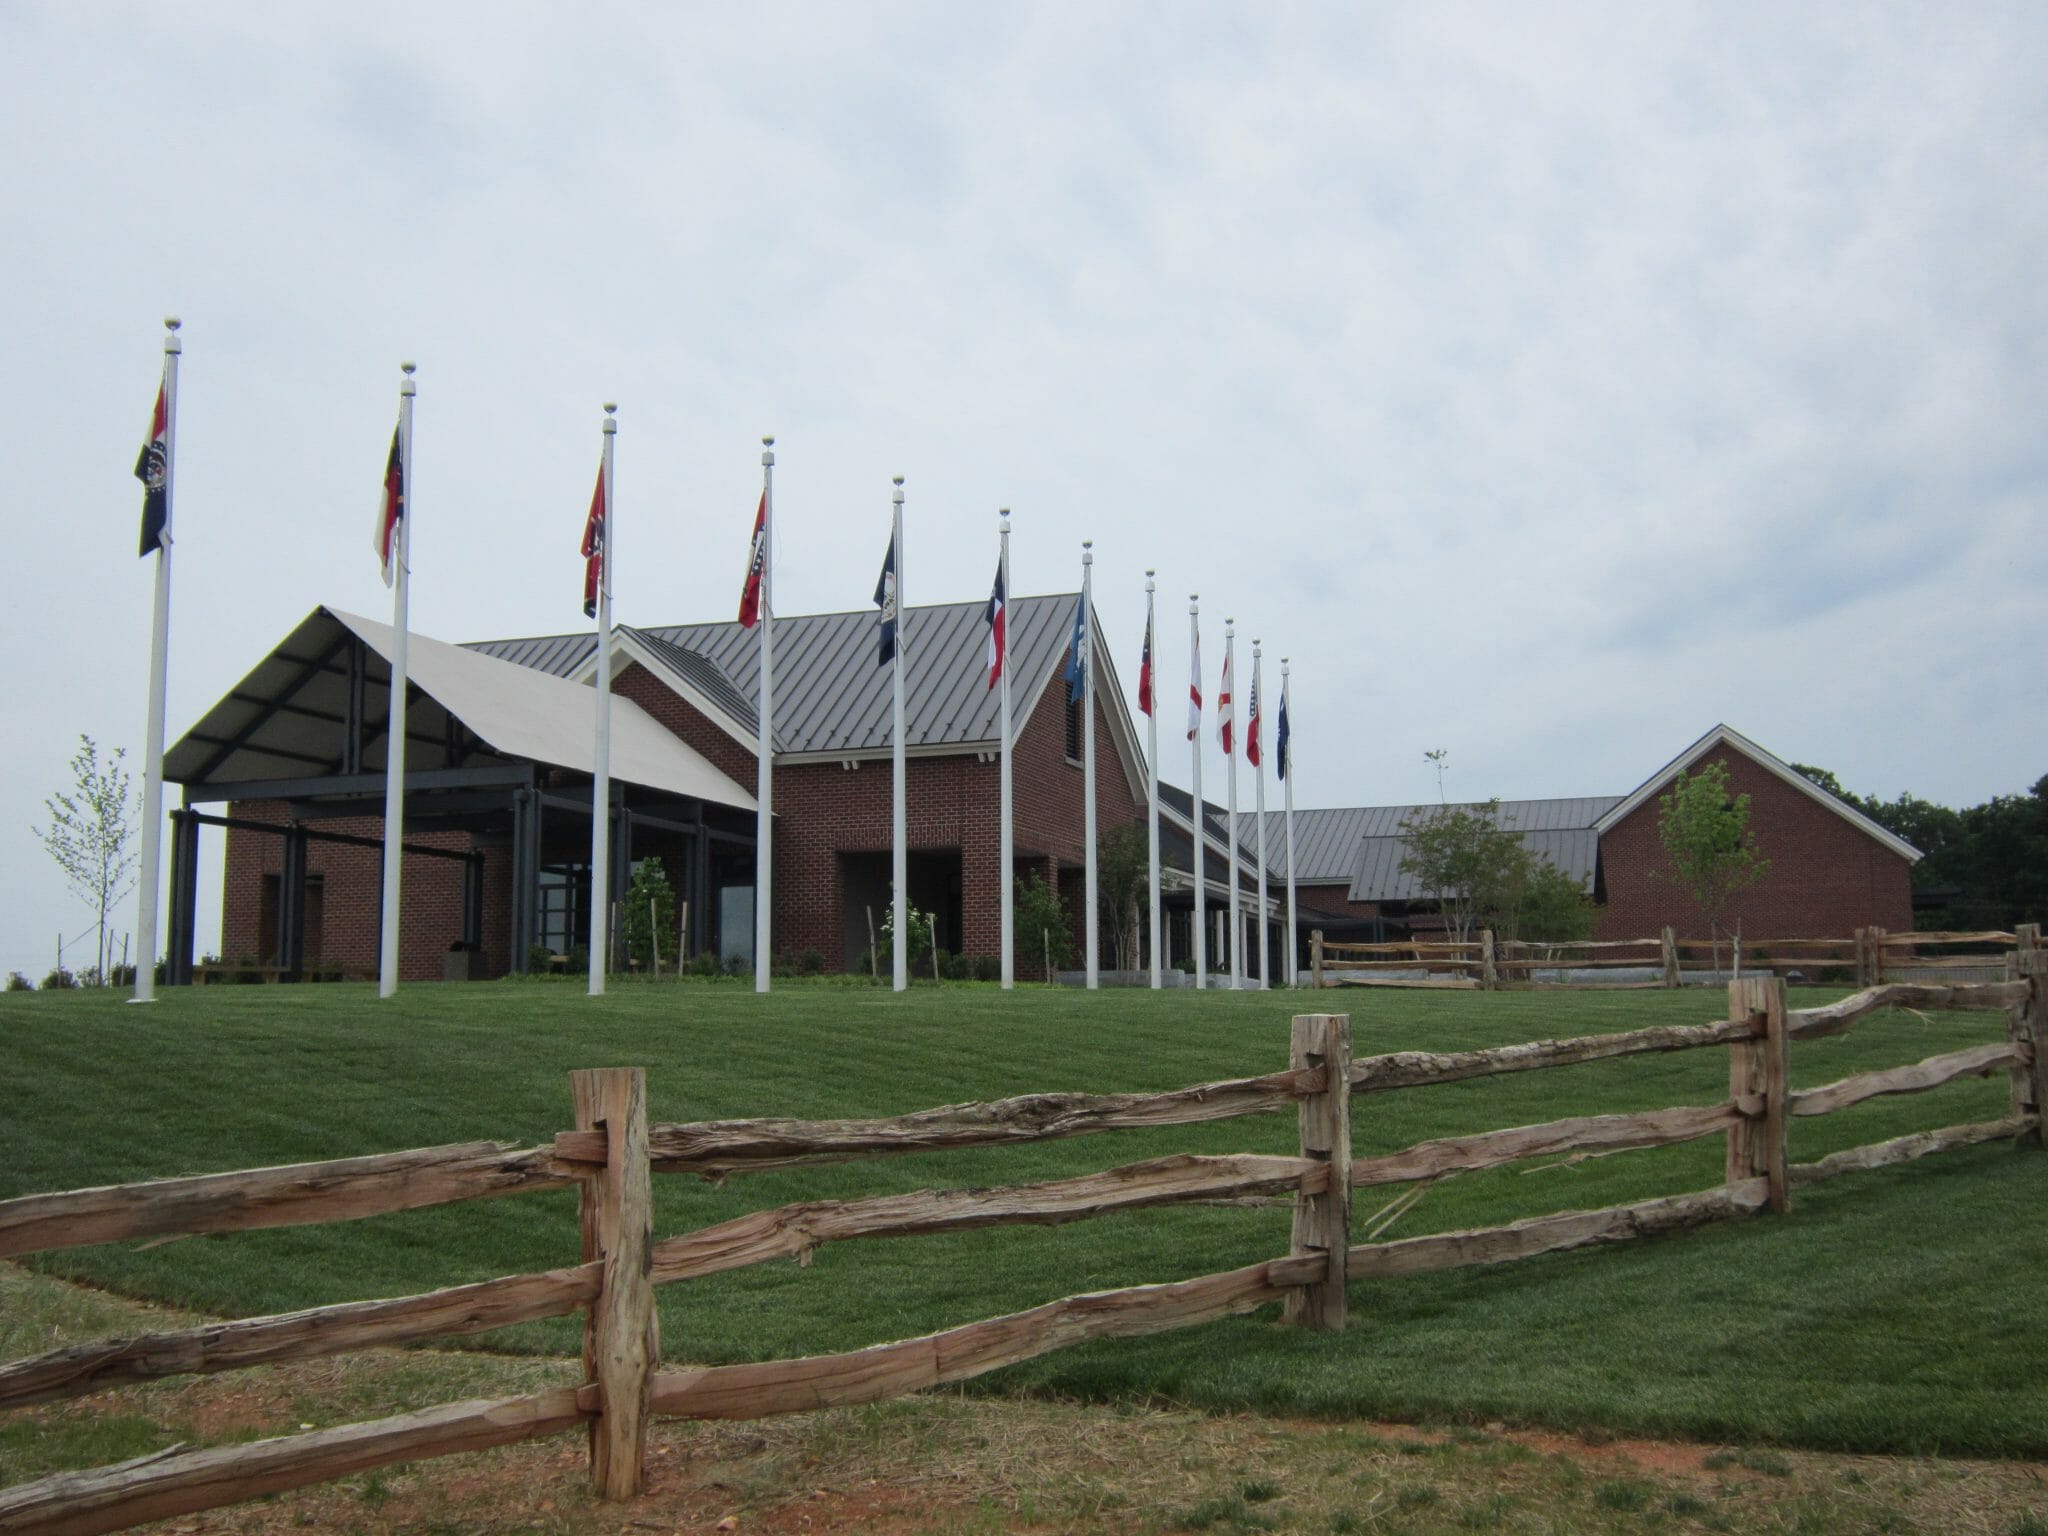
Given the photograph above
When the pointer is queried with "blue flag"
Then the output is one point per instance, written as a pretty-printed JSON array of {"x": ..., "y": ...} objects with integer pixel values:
[
  {"x": 1075, "y": 683},
  {"x": 885, "y": 599},
  {"x": 1280, "y": 743}
]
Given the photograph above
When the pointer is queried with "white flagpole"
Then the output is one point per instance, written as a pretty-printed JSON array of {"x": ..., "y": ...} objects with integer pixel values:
[
  {"x": 1152, "y": 795},
  {"x": 1287, "y": 787},
  {"x": 1201, "y": 857},
  {"x": 899, "y": 950},
  {"x": 601, "y": 778},
  {"x": 1230, "y": 768},
  {"x": 1007, "y": 852},
  {"x": 1088, "y": 757},
  {"x": 394, "y": 730},
  {"x": 764, "y": 781},
  {"x": 159, "y": 662},
  {"x": 1259, "y": 799}
]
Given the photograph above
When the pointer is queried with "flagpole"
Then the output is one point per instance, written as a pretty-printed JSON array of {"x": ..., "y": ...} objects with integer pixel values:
[
  {"x": 1152, "y": 794},
  {"x": 1230, "y": 768},
  {"x": 1201, "y": 855},
  {"x": 1287, "y": 787},
  {"x": 1088, "y": 757},
  {"x": 1259, "y": 779},
  {"x": 601, "y": 778},
  {"x": 394, "y": 728},
  {"x": 159, "y": 663},
  {"x": 1007, "y": 852},
  {"x": 764, "y": 791},
  {"x": 899, "y": 949}
]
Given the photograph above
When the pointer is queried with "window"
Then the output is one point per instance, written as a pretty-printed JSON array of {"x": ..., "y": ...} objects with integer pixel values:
[{"x": 1073, "y": 730}]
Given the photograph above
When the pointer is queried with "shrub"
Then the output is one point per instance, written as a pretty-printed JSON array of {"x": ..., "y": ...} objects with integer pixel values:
[
  {"x": 704, "y": 963},
  {"x": 988, "y": 968},
  {"x": 920, "y": 945},
  {"x": 811, "y": 963},
  {"x": 539, "y": 959},
  {"x": 954, "y": 967},
  {"x": 737, "y": 964},
  {"x": 579, "y": 960},
  {"x": 649, "y": 911},
  {"x": 1041, "y": 924},
  {"x": 59, "y": 980},
  {"x": 16, "y": 982}
]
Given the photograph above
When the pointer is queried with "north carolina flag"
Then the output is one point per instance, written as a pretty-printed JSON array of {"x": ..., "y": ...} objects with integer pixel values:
[
  {"x": 1145, "y": 670},
  {"x": 390, "y": 512},
  {"x": 997, "y": 619},
  {"x": 1195, "y": 686},
  {"x": 1280, "y": 745},
  {"x": 1251, "y": 734},
  {"x": 152, "y": 468},
  {"x": 1224, "y": 724},
  {"x": 595, "y": 544},
  {"x": 757, "y": 567},
  {"x": 885, "y": 599}
]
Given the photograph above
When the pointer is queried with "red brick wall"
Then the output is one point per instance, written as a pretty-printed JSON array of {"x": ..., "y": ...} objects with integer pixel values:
[
  {"x": 1827, "y": 878},
  {"x": 1332, "y": 898},
  {"x": 430, "y": 895}
]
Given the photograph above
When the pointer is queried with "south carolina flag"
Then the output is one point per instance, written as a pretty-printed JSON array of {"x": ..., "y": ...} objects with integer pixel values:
[
  {"x": 1145, "y": 670},
  {"x": 594, "y": 546},
  {"x": 390, "y": 512},
  {"x": 757, "y": 565},
  {"x": 1251, "y": 733},
  {"x": 1225, "y": 726},
  {"x": 1195, "y": 686},
  {"x": 152, "y": 468},
  {"x": 997, "y": 618}
]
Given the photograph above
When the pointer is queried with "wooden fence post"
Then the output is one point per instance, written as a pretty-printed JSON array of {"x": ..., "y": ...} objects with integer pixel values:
[
  {"x": 1670, "y": 943},
  {"x": 1315, "y": 951},
  {"x": 1489, "y": 973},
  {"x": 1758, "y": 1069},
  {"x": 621, "y": 1341},
  {"x": 2028, "y": 1022},
  {"x": 1877, "y": 957},
  {"x": 1322, "y": 1223}
]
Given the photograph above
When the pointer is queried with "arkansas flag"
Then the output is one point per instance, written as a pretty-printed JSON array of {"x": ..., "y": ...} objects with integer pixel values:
[
  {"x": 997, "y": 617},
  {"x": 1195, "y": 686},
  {"x": 595, "y": 544},
  {"x": 1145, "y": 670},
  {"x": 1251, "y": 733},
  {"x": 757, "y": 567},
  {"x": 1225, "y": 726},
  {"x": 152, "y": 468},
  {"x": 391, "y": 512}
]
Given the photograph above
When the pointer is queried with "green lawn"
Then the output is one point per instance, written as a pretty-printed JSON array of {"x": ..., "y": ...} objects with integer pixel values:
[{"x": 1899, "y": 1310}]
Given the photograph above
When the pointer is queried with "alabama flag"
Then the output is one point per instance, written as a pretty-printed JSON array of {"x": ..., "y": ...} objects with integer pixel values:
[
  {"x": 1251, "y": 732},
  {"x": 595, "y": 543},
  {"x": 1145, "y": 670},
  {"x": 1195, "y": 685},
  {"x": 390, "y": 511},
  {"x": 997, "y": 617},
  {"x": 757, "y": 567},
  {"x": 1225, "y": 725}
]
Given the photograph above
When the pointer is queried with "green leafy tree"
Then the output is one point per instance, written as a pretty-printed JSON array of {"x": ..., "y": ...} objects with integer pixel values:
[
  {"x": 920, "y": 926},
  {"x": 1040, "y": 924},
  {"x": 1706, "y": 836},
  {"x": 1544, "y": 905},
  {"x": 91, "y": 835},
  {"x": 1122, "y": 868},
  {"x": 1465, "y": 859},
  {"x": 650, "y": 910}
]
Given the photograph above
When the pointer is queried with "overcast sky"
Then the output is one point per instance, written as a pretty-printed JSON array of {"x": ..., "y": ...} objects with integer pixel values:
[{"x": 1549, "y": 383}]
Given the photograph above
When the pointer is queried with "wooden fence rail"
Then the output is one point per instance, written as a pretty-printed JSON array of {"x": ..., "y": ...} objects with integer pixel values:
[{"x": 612, "y": 1153}]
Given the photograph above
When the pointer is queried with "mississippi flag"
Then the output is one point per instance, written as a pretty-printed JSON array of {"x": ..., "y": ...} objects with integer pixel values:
[
  {"x": 391, "y": 512},
  {"x": 594, "y": 545},
  {"x": 997, "y": 618},
  {"x": 1280, "y": 746},
  {"x": 1251, "y": 735},
  {"x": 152, "y": 467},
  {"x": 757, "y": 566},
  {"x": 1195, "y": 687},
  {"x": 885, "y": 599},
  {"x": 1224, "y": 724},
  {"x": 1145, "y": 670}
]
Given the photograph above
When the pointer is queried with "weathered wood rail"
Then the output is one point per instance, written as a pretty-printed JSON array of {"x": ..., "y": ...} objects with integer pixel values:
[{"x": 613, "y": 1152}]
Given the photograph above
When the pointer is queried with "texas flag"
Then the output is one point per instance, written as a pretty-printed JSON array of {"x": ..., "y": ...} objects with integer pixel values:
[
  {"x": 152, "y": 468},
  {"x": 390, "y": 512},
  {"x": 1145, "y": 670},
  {"x": 1251, "y": 734},
  {"x": 1225, "y": 725},
  {"x": 757, "y": 566},
  {"x": 997, "y": 618},
  {"x": 594, "y": 546},
  {"x": 1195, "y": 685}
]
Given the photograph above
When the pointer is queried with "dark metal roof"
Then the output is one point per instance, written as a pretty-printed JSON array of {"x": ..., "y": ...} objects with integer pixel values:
[
  {"x": 1560, "y": 831},
  {"x": 704, "y": 675},
  {"x": 830, "y": 695},
  {"x": 1326, "y": 842}
]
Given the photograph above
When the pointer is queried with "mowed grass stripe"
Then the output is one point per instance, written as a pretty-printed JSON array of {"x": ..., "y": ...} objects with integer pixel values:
[{"x": 1895, "y": 1310}]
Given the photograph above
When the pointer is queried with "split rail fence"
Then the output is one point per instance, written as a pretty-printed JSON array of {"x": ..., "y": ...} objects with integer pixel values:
[
  {"x": 613, "y": 1153},
  {"x": 1873, "y": 956}
]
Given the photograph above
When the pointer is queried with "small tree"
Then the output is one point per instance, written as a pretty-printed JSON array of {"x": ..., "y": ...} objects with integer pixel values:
[
  {"x": 1123, "y": 865},
  {"x": 920, "y": 925},
  {"x": 1553, "y": 907},
  {"x": 1706, "y": 836},
  {"x": 1464, "y": 858},
  {"x": 650, "y": 909},
  {"x": 1040, "y": 923},
  {"x": 91, "y": 835}
]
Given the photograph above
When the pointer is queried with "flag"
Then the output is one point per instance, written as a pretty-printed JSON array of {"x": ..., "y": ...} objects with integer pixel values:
[
  {"x": 757, "y": 567},
  {"x": 390, "y": 512},
  {"x": 1224, "y": 724},
  {"x": 997, "y": 619},
  {"x": 885, "y": 599},
  {"x": 1075, "y": 677},
  {"x": 1195, "y": 686},
  {"x": 1251, "y": 734},
  {"x": 152, "y": 467},
  {"x": 1145, "y": 670},
  {"x": 1280, "y": 746},
  {"x": 595, "y": 545}
]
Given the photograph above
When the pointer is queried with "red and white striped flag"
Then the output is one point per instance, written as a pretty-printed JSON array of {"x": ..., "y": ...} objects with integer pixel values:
[
  {"x": 757, "y": 565},
  {"x": 1224, "y": 724}
]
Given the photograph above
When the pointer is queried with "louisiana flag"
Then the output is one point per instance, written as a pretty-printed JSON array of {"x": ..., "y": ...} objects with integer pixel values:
[
  {"x": 596, "y": 545},
  {"x": 757, "y": 568},
  {"x": 1251, "y": 732},
  {"x": 390, "y": 511},
  {"x": 885, "y": 599},
  {"x": 998, "y": 620},
  {"x": 152, "y": 468},
  {"x": 1145, "y": 670}
]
